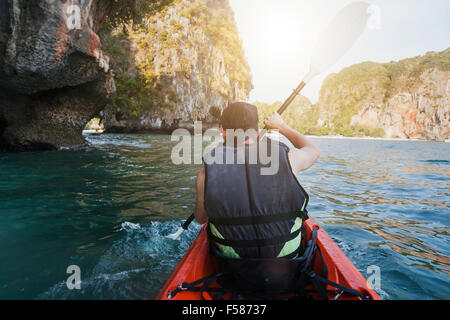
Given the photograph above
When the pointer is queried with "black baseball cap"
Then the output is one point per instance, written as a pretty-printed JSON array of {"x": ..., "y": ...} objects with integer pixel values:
[{"x": 240, "y": 115}]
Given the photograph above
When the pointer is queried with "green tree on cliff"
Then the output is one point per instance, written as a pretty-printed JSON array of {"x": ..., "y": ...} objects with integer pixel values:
[{"x": 124, "y": 11}]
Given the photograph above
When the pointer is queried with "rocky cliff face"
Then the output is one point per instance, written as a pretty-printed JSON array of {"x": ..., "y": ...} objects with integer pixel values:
[
  {"x": 406, "y": 99},
  {"x": 182, "y": 64},
  {"x": 54, "y": 76}
]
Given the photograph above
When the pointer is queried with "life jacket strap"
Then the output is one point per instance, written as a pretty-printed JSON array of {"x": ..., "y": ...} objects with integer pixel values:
[
  {"x": 253, "y": 243},
  {"x": 303, "y": 214}
]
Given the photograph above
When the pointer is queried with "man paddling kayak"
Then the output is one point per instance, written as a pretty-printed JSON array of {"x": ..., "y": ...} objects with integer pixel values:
[{"x": 251, "y": 215}]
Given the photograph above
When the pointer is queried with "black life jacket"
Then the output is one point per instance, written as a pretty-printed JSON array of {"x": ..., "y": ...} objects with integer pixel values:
[{"x": 253, "y": 215}]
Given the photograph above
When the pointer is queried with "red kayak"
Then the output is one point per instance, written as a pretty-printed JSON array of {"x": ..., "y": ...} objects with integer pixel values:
[{"x": 199, "y": 263}]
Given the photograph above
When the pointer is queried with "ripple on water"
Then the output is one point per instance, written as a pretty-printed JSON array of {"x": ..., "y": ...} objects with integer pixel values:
[
  {"x": 134, "y": 267},
  {"x": 108, "y": 206}
]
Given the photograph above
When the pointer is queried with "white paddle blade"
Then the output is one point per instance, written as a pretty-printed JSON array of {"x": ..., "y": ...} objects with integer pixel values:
[
  {"x": 176, "y": 235},
  {"x": 340, "y": 36}
]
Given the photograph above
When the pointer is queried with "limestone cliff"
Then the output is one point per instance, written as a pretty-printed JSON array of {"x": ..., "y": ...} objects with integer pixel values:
[
  {"x": 181, "y": 64},
  {"x": 406, "y": 99},
  {"x": 54, "y": 76}
]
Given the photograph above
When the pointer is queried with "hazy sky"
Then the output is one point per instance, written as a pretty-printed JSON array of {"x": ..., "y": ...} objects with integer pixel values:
[{"x": 279, "y": 35}]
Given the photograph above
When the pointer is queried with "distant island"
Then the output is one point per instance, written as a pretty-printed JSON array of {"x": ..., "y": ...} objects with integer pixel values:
[{"x": 408, "y": 99}]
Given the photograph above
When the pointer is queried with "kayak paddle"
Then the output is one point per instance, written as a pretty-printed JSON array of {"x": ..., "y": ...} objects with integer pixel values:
[
  {"x": 183, "y": 228},
  {"x": 340, "y": 35}
]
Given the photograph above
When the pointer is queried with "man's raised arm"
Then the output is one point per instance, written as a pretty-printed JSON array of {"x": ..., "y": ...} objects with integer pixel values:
[{"x": 305, "y": 153}]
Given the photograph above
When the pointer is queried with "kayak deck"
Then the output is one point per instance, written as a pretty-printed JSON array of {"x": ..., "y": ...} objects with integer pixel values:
[{"x": 198, "y": 263}]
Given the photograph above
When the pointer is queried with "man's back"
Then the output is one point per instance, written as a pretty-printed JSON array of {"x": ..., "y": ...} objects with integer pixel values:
[{"x": 253, "y": 215}]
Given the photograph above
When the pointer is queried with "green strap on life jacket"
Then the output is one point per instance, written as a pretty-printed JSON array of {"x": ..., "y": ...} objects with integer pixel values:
[
  {"x": 292, "y": 246},
  {"x": 225, "y": 250}
]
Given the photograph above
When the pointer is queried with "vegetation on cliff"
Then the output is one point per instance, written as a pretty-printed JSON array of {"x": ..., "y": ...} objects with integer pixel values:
[
  {"x": 132, "y": 11},
  {"x": 404, "y": 99},
  {"x": 378, "y": 85},
  {"x": 183, "y": 46}
]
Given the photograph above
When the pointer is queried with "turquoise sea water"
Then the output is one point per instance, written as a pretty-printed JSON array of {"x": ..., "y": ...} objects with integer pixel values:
[{"x": 107, "y": 207}]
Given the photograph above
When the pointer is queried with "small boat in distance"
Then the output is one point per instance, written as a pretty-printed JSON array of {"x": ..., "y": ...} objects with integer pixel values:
[
  {"x": 94, "y": 127},
  {"x": 93, "y": 132}
]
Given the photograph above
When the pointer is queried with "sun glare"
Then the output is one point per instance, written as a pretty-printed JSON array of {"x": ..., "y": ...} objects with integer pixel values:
[
  {"x": 278, "y": 40},
  {"x": 280, "y": 37}
]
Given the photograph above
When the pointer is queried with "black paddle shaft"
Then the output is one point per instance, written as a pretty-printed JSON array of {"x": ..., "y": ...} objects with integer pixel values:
[
  {"x": 282, "y": 109},
  {"x": 188, "y": 222},
  {"x": 291, "y": 98}
]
